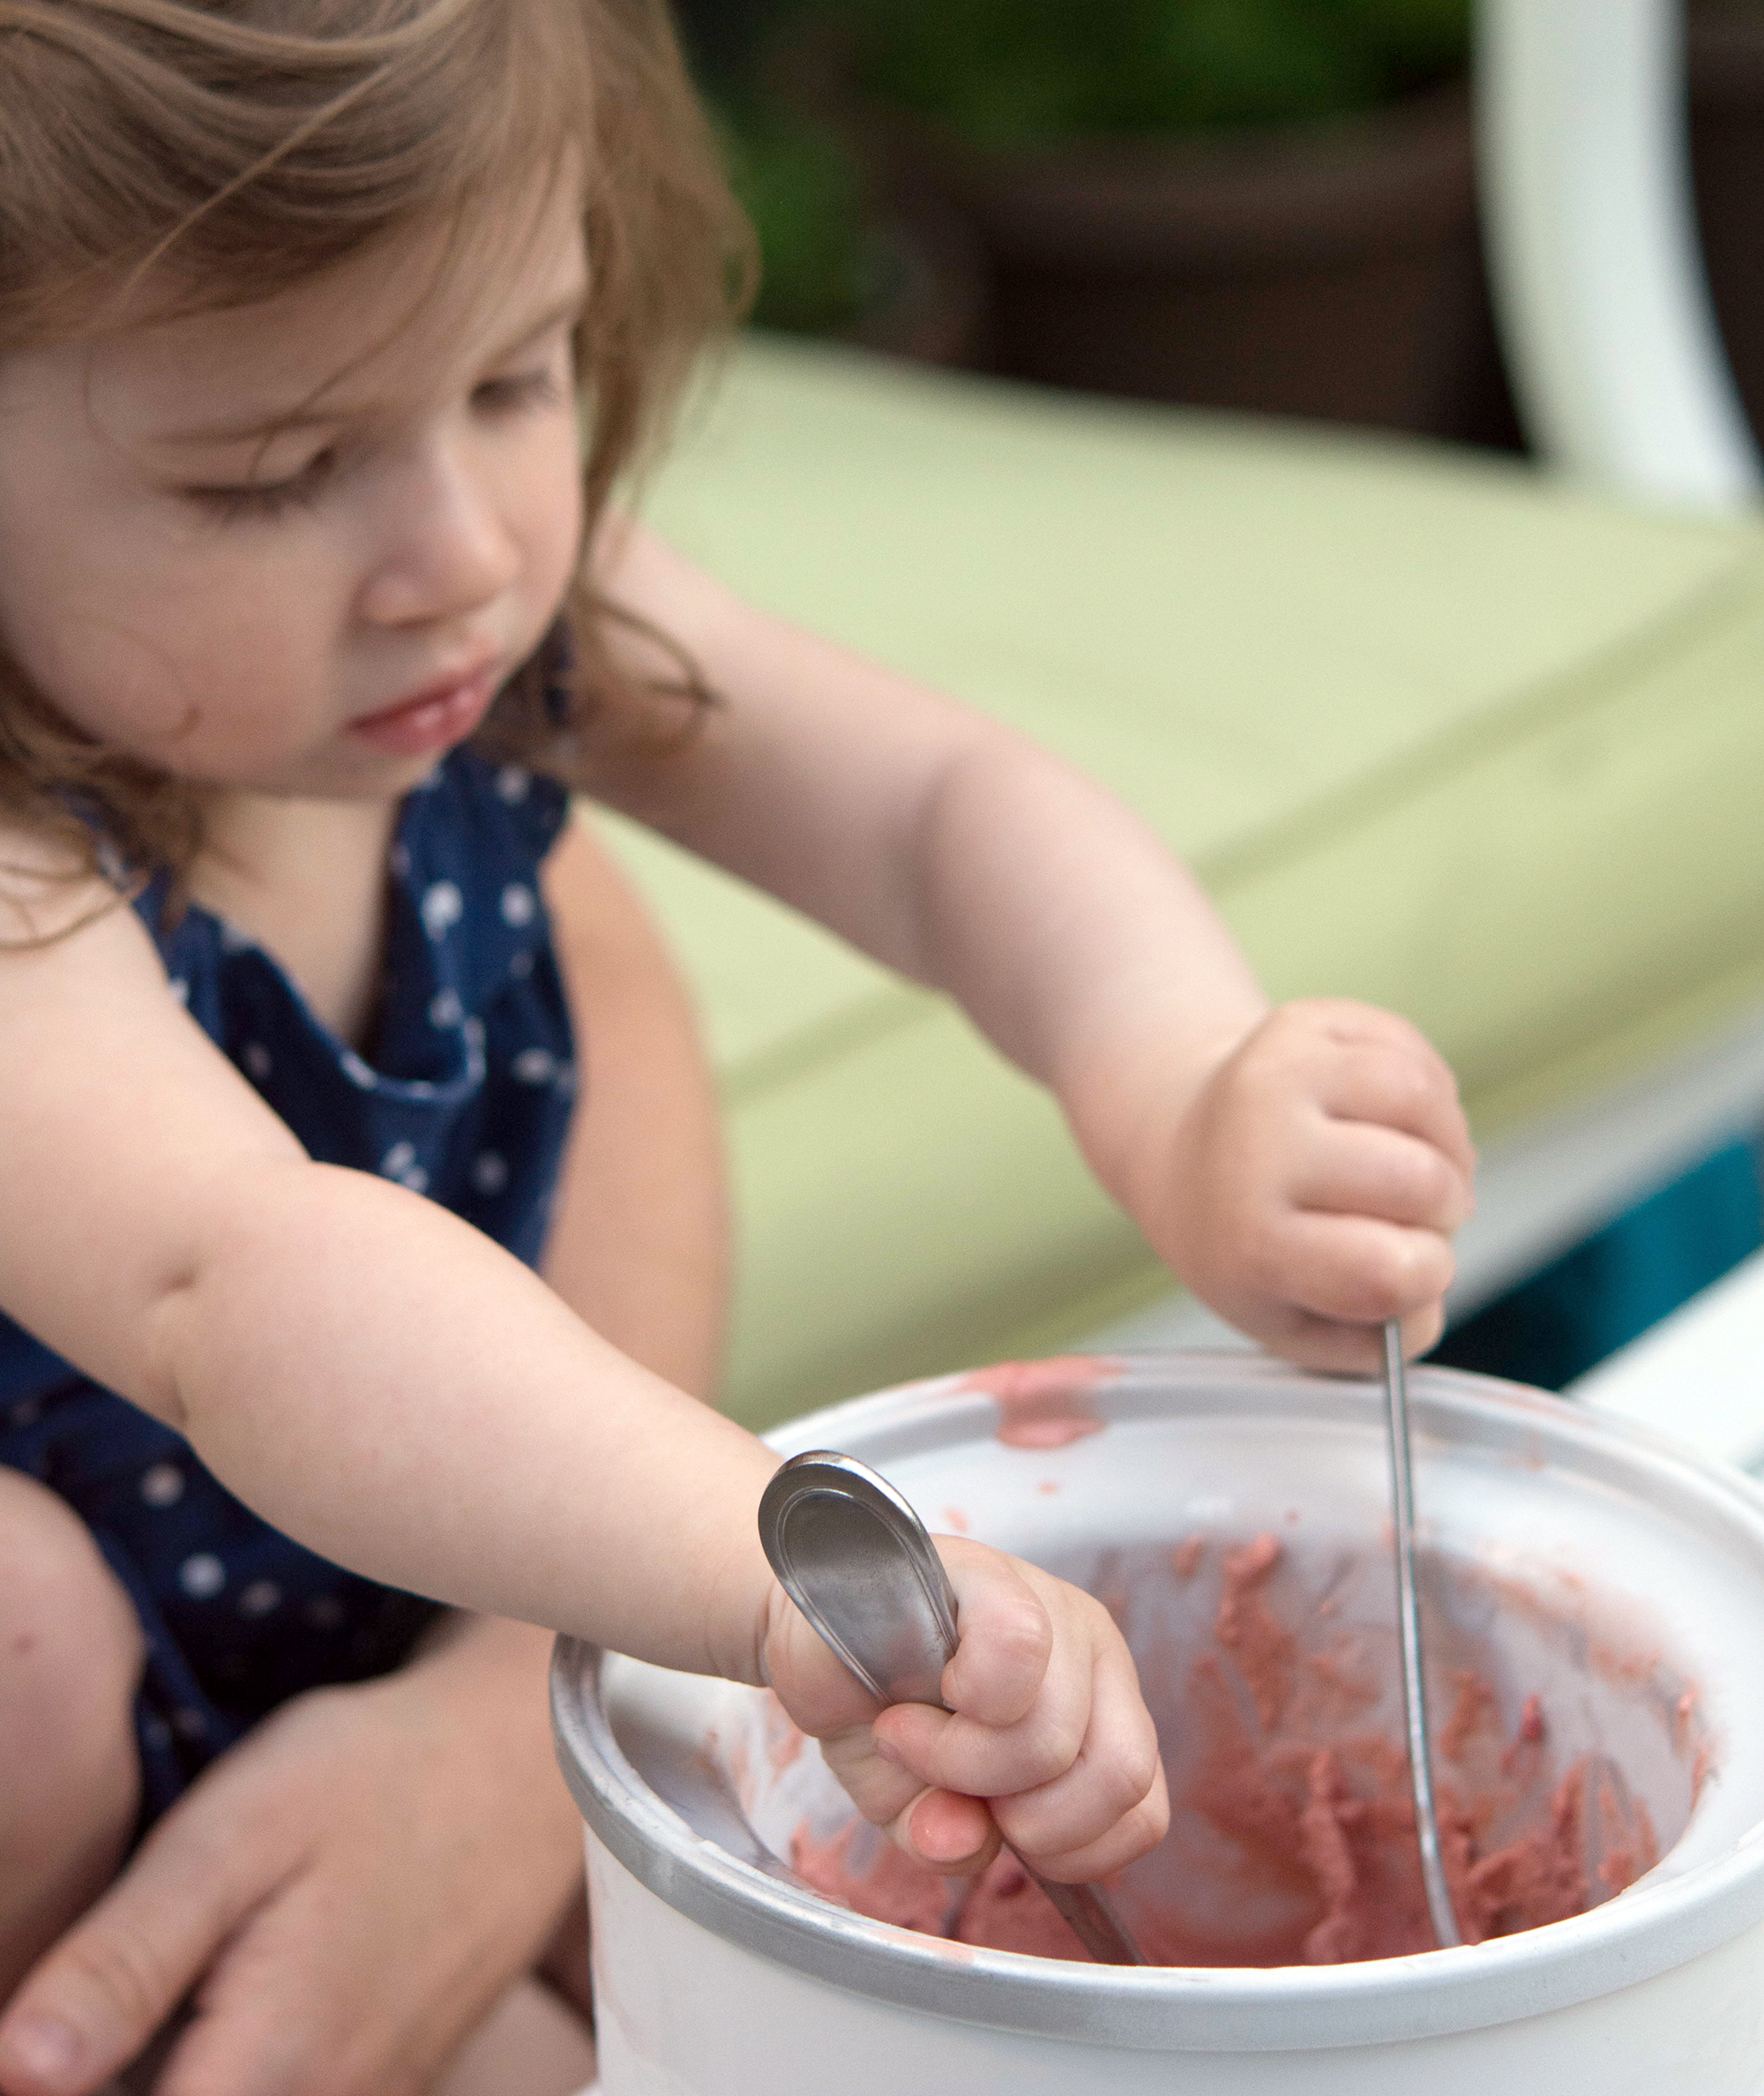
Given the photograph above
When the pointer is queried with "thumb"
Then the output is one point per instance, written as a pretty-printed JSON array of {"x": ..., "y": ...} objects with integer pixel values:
[
  {"x": 96, "y": 1997},
  {"x": 947, "y": 1832}
]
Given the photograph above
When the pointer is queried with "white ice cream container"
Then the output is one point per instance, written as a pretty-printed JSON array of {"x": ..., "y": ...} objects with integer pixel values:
[{"x": 1631, "y": 1570}]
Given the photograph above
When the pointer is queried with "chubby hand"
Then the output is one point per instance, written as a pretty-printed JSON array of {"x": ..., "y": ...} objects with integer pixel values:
[
  {"x": 1313, "y": 1184},
  {"x": 1046, "y": 1741}
]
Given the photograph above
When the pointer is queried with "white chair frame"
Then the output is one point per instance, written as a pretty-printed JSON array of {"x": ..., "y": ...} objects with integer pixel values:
[{"x": 1595, "y": 262}]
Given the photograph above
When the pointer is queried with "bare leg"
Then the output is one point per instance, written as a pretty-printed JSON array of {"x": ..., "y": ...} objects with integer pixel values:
[{"x": 70, "y": 1660}]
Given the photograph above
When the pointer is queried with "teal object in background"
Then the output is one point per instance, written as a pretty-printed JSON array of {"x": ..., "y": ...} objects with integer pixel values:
[
  {"x": 1623, "y": 1279},
  {"x": 1435, "y": 730}
]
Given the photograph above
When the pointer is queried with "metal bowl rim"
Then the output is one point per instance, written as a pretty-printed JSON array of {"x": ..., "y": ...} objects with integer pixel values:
[{"x": 1649, "y": 1929}]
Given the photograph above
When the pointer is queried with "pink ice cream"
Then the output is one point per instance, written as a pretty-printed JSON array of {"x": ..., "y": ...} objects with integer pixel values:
[{"x": 1293, "y": 1834}]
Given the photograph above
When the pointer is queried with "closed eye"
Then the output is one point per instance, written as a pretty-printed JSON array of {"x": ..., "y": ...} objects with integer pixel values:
[
  {"x": 263, "y": 500},
  {"x": 508, "y": 395}
]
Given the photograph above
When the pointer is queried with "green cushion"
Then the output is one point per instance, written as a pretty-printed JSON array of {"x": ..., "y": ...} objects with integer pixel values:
[{"x": 1436, "y": 731}]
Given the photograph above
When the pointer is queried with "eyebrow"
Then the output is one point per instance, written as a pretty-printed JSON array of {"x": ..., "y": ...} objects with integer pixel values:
[{"x": 274, "y": 423}]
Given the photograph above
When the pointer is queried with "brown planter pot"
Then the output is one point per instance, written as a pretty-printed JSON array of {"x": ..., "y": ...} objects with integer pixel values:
[
  {"x": 1726, "y": 76},
  {"x": 1333, "y": 273}
]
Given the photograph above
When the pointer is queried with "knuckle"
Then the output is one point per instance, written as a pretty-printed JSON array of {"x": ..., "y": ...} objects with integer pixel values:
[
  {"x": 1153, "y": 1817},
  {"x": 120, "y": 1968},
  {"x": 1138, "y": 1773},
  {"x": 1021, "y": 1632},
  {"x": 1057, "y": 1746}
]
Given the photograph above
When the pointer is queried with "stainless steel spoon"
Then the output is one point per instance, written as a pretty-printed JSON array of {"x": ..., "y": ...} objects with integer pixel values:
[
  {"x": 853, "y": 1555},
  {"x": 1439, "y": 1907}
]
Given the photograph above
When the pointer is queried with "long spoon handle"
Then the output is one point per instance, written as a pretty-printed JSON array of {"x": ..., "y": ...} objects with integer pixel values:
[
  {"x": 1439, "y": 1908},
  {"x": 853, "y": 1555}
]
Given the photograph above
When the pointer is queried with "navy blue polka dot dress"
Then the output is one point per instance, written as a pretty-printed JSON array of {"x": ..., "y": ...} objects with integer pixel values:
[{"x": 468, "y": 1100}]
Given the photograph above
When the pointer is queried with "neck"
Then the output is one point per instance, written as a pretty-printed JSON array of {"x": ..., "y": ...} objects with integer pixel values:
[{"x": 307, "y": 879}]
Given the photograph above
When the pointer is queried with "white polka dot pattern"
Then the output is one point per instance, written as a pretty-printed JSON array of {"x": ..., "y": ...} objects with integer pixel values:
[
  {"x": 162, "y": 1485},
  {"x": 489, "y": 1171},
  {"x": 518, "y": 903},
  {"x": 260, "y": 1597},
  {"x": 534, "y": 1066},
  {"x": 256, "y": 1058},
  {"x": 202, "y": 1577},
  {"x": 443, "y": 906},
  {"x": 400, "y": 1163}
]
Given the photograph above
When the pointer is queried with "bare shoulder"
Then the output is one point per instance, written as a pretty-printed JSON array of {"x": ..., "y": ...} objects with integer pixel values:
[
  {"x": 47, "y": 886},
  {"x": 119, "y": 1118},
  {"x": 72, "y": 947}
]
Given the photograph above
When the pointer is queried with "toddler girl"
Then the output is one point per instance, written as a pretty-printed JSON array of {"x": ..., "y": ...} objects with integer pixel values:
[{"x": 310, "y": 609}]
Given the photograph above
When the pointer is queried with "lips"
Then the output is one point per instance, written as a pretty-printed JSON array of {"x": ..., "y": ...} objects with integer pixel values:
[{"x": 435, "y": 718}]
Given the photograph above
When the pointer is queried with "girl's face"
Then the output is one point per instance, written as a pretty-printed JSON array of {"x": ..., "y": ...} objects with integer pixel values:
[{"x": 295, "y": 548}]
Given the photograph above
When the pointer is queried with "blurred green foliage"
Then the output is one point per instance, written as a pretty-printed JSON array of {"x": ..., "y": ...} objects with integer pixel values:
[
  {"x": 1009, "y": 74},
  {"x": 1013, "y": 73},
  {"x": 802, "y": 185}
]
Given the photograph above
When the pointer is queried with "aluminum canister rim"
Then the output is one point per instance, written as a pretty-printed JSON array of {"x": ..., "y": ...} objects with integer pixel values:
[{"x": 1661, "y": 1923}]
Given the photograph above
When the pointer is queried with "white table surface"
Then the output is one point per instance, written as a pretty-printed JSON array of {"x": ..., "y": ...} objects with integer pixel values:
[{"x": 1699, "y": 1373}]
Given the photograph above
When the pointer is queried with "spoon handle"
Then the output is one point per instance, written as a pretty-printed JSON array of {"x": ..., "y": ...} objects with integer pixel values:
[
  {"x": 853, "y": 1555},
  {"x": 1439, "y": 1910}
]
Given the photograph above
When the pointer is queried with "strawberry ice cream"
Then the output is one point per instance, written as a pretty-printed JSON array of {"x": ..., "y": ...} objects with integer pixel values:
[{"x": 1293, "y": 1832}]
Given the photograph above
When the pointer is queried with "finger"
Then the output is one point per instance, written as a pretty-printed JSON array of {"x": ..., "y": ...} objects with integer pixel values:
[
  {"x": 283, "y": 2010},
  {"x": 952, "y": 1751},
  {"x": 947, "y": 1832},
  {"x": 1117, "y": 1770},
  {"x": 1357, "y": 1168},
  {"x": 1135, "y": 1834},
  {"x": 1397, "y": 1087},
  {"x": 97, "y": 1997},
  {"x": 872, "y": 1774},
  {"x": 1336, "y": 1348},
  {"x": 1006, "y": 1636},
  {"x": 1356, "y": 1270}
]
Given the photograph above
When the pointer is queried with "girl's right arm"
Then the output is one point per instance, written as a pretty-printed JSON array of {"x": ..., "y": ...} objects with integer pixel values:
[
  {"x": 381, "y": 1380},
  {"x": 367, "y": 1371}
]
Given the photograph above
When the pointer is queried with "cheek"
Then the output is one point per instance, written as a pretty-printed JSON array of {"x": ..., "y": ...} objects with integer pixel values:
[
  {"x": 552, "y": 508},
  {"x": 147, "y": 638}
]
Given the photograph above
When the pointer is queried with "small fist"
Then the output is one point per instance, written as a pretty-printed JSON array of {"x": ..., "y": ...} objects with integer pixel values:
[
  {"x": 1313, "y": 1184},
  {"x": 1046, "y": 1741}
]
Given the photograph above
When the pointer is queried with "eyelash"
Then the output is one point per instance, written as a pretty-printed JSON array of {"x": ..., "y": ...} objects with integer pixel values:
[{"x": 268, "y": 500}]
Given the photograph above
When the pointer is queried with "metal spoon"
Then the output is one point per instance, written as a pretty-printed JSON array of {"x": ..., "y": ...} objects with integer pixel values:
[
  {"x": 1439, "y": 1908},
  {"x": 853, "y": 1555}
]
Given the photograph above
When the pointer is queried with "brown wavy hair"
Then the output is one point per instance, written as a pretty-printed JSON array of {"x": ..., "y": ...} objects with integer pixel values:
[{"x": 213, "y": 152}]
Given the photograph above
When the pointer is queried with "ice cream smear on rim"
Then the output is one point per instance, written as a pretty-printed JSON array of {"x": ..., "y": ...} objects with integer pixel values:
[
  {"x": 1292, "y": 1839},
  {"x": 1043, "y": 1405}
]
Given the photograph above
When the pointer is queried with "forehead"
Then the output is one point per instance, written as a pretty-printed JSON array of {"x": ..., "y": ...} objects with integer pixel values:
[{"x": 413, "y": 317}]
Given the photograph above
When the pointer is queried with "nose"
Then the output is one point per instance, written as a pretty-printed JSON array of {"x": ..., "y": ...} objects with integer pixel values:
[{"x": 443, "y": 545}]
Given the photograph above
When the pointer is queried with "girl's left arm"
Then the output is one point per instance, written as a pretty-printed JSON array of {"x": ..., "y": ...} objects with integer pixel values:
[
  {"x": 1300, "y": 1169},
  {"x": 638, "y": 1239}
]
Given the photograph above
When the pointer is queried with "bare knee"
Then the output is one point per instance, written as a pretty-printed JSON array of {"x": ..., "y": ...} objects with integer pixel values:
[{"x": 71, "y": 1656}]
